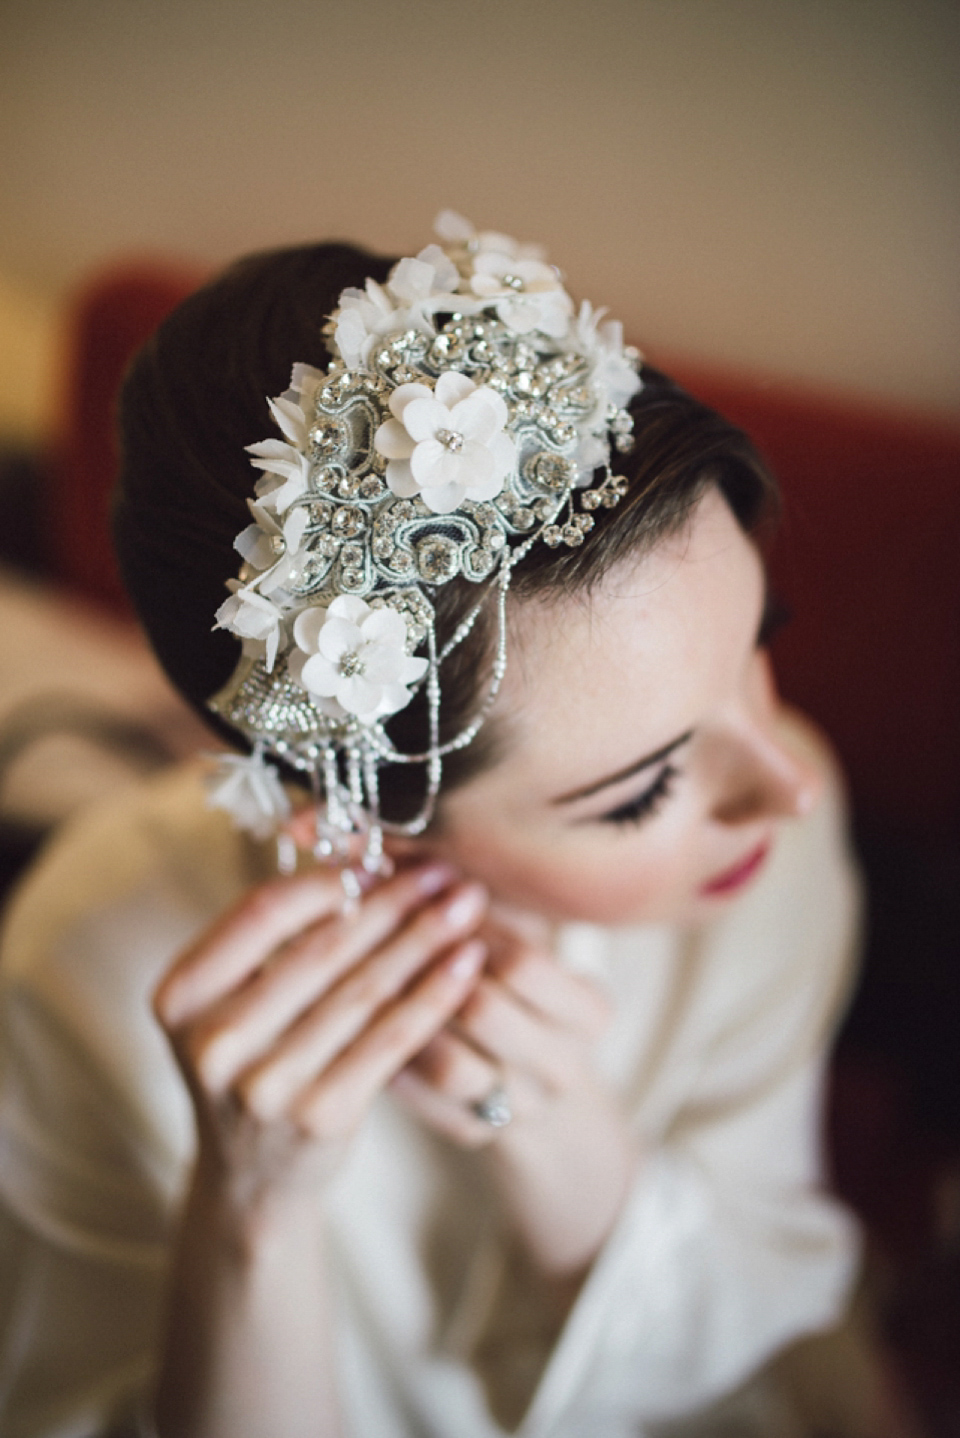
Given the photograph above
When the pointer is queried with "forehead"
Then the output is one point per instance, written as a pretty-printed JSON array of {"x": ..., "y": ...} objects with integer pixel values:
[{"x": 597, "y": 681}]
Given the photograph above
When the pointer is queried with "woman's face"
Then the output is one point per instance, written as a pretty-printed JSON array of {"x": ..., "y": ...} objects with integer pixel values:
[{"x": 643, "y": 774}]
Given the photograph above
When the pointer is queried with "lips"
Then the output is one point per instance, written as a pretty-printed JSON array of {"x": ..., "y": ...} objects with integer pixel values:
[{"x": 740, "y": 874}]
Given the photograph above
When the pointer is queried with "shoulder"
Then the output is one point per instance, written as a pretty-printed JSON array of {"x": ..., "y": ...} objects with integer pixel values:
[
  {"x": 156, "y": 835},
  {"x": 119, "y": 892},
  {"x": 90, "y": 1091}
]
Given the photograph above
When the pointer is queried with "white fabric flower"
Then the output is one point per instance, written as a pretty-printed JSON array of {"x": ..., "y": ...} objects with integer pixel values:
[
  {"x": 270, "y": 547},
  {"x": 250, "y": 791},
  {"x": 285, "y": 462},
  {"x": 353, "y": 659},
  {"x": 494, "y": 270},
  {"x": 366, "y": 315},
  {"x": 431, "y": 273},
  {"x": 528, "y": 293},
  {"x": 454, "y": 229},
  {"x": 255, "y": 619},
  {"x": 305, "y": 380},
  {"x": 447, "y": 444},
  {"x": 614, "y": 373}
]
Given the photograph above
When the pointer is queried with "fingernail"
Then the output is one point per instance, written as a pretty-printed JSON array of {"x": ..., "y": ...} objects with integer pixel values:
[
  {"x": 468, "y": 959},
  {"x": 435, "y": 876},
  {"x": 468, "y": 905}
]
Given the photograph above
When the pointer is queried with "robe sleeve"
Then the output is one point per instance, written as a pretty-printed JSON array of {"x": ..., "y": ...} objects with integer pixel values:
[{"x": 96, "y": 1138}]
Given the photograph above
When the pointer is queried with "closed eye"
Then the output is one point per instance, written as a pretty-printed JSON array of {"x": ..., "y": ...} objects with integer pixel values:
[{"x": 644, "y": 805}]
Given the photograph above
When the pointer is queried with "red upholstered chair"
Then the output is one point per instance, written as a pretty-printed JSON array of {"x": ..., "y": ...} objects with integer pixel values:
[{"x": 109, "y": 318}]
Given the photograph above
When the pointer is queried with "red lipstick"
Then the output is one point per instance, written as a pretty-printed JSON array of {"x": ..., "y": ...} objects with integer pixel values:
[{"x": 733, "y": 879}]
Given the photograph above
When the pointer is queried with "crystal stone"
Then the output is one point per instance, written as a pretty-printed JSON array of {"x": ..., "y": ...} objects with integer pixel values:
[
  {"x": 553, "y": 535},
  {"x": 552, "y": 471},
  {"x": 447, "y": 348},
  {"x": 347, "y": 522},
  {"x": 451, "y": 439},
  {"x": 320, "y": 514},
  {"x": 437, "y": 559},
  {"x": 327, "y": 436}
]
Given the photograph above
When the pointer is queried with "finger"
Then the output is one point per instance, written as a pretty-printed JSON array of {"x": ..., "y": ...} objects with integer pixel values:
[
  {"x": 272, "y": 916},
  {"x": 566, "y": 999},
  {"x": 506, "y": 1030},
  {"x": 332, "y": 1024},
  {"x": 454, "y": 1068},
  {"x": 448, "y": 1078},
  {"x": 446, "y": 1116},
  {"x": 231, "y": 1034},
  {"x": 457, "y": 1073},
  {"x": 334, "y": 1104}
]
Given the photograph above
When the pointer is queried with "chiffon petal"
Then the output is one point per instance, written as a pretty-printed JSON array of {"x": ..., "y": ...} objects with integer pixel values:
[
  {"x": 400, "y": 480},
  {"x": 319, "y": 676},
  {"x": 413, "y": 669},
  {"x": 337, "y": 638},
  {"x": 443, "y": 498},
  {"x": 385, "y": 626},
  {"x": 357, "y": 695},
  {"x": 404, "y": 394},
  {"x": 307, "y": 626},
  {"x": 348, "y": 606},
  {"x": 381, "y": 665},
  {"x": 452, "y": 388},
  {"x": 427, "y": 463},
  {"x": 392, "y": 440},
  {"x": 423, "y": 417}
]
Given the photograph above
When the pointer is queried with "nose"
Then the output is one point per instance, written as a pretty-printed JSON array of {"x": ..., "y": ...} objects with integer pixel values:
[{"x": 766, "y": 779}]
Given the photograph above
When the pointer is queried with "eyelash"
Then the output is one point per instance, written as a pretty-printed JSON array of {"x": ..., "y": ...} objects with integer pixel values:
[{"x": 645, "y": 805}]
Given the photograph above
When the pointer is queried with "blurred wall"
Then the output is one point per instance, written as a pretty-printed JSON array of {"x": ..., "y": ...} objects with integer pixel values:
[{"x": 769, "y": 182}]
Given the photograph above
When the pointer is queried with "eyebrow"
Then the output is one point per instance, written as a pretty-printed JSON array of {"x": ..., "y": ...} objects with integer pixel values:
[{"x": 627, "y": 773}]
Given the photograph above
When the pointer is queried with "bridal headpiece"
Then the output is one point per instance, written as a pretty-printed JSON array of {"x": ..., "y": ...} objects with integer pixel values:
[{"x": 468, "y": 414}]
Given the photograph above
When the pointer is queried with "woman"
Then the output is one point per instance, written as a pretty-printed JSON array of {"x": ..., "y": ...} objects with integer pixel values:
[{"x": 516, "y": 1125}]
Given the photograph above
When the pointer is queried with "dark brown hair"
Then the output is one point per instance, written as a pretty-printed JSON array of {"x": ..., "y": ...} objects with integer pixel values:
[{"x": 196, "y": 395}]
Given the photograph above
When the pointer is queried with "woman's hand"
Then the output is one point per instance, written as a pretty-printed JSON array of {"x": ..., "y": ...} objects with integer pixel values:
[
  {"x": 288, "y": 1017},
  {"x": 565, "y": 1161}
]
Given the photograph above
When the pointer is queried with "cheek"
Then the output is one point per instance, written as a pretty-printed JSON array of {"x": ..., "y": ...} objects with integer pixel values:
[{"x": 591, "y": 875}]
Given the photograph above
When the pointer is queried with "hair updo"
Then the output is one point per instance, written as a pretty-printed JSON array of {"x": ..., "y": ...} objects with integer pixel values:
[{"x": 196, "y": 395}]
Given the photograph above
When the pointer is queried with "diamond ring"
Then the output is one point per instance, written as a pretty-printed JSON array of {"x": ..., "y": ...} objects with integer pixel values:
[{"x": 495, "y": 1109}]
